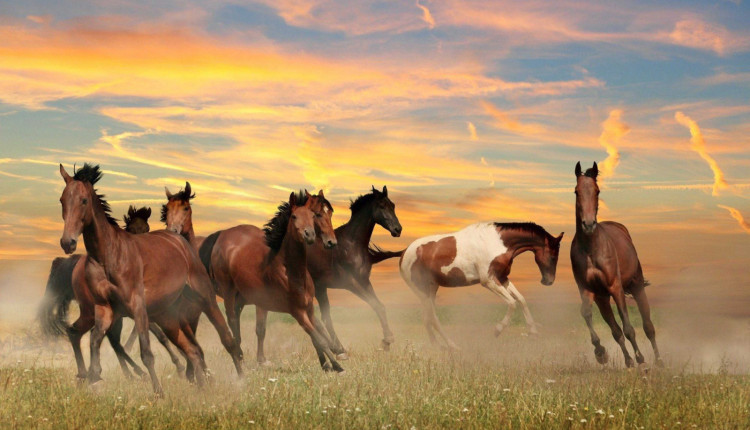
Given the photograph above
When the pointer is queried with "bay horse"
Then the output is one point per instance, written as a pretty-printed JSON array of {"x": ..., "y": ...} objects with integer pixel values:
[
  {"x": 605, "y": 264},
  {"x": 349, "y": 264},
  {"x": 138, "y": 276},
  {"x": 268, "y": 268},
  {"x": 62, "y": 288},
  {"x": 479, "y": 254}
]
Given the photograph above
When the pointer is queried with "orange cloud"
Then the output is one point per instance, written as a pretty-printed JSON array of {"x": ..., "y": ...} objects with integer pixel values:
[
  {"x": 699, "y": 146},
  {"x": 472, "y": 130},
  {"x": 426, "y": 15},
  {"x": 699, "y": 35},
  {"x": 738, "y": 216},
  {"x": 613, "y": 129},
  {"x": 506, "y": 122}
]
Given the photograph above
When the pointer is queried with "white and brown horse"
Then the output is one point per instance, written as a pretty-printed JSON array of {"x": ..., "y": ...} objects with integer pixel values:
[{"x": 479, "y": 254}]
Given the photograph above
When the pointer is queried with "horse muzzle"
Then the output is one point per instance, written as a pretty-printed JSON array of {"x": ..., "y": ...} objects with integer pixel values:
[
  {"x": 329, "y": 243},
  {"x": 396, "y": 231},
  {"x": 588, "y": 227},
  {"x": 68, "y": 245}
]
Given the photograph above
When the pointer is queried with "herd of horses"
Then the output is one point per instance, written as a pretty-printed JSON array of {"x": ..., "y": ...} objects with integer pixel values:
[{"x": 164, "y": 280}]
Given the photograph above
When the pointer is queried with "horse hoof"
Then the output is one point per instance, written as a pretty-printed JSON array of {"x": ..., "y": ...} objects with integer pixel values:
[
  {"x": 643, "y": 367},
  {"x": 97, "y": 387},
  {"x": 659, "y": 363},
  {"x": 326, "y": 367},
  {"x": 602, "y": 357},
  {"x": 498, "y": 331},
  {"x": 342, "y": 356},
  {"x": 386, "y": 345},
  {"x": 629, "y": 363}
]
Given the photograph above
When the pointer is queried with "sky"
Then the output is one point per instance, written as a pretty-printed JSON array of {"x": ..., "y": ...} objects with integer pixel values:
[{"x": 467, "y": 110}]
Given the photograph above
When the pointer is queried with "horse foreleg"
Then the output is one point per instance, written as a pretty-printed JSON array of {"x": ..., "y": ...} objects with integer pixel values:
[
  {"x": 113, "y": 335},
  {"x": 261, "y": 316},
  {"x": 367, "y": 293},
  {"x": 233, "y": 319},
  {"x": 605, "y": 308},
  {"x": 627, "y": 327},
  {"x": 501, "y": 291},
  {"x": 587, "y": 299},
  {"x": 319, "y": 342},
  {"x": 82, "y": 325},
  {"x": 190, "y": 350},
  {"x": 525, "y": 307},
  {"x": 103, "y": 317},
  {"x": 131, "y": 339},
  {"x": 321, "y": 294},
  {"x": 639, "y": 294},
  {"x": 162, "y": 338},
  {"x": 138, "y": 309}
]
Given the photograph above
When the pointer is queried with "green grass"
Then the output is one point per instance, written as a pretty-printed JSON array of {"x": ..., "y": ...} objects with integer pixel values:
[{"x": 514, "y": 381}]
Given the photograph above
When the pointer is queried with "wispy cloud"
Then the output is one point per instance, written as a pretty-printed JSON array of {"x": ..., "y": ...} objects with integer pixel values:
[
  {"x": 738, "y": 216},
  {"x": 472, "y": 130},
  {"x": 698, "y": 145},
  {"x": 426, "y": 15},
  {"x": 613, "y": 129},
  {"x": 506, "y": 122}
]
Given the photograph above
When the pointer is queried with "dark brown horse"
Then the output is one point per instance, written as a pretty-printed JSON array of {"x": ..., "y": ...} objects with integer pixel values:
[
  {"x": 348, "y": 266},
  {"x": 62, "y": 289},
  {"x": 144, "y": 275},
  {"x": 605, "y": 264},
  {"x": 267, "y": 268},
  {"x": 481, "y": 253}
]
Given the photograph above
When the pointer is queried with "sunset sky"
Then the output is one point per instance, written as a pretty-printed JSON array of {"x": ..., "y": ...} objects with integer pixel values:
[{"x": 466, "y": 110}]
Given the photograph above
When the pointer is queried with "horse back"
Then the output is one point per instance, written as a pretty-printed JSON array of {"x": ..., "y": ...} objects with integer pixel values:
[{"x": 238, "y": 258}]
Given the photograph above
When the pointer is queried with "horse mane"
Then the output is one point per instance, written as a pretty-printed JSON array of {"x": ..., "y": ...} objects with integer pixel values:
[
  {"x": 528, "y": 227},
  {"x": 275, "y": 229},
  {"x": 143, "y": 213},
  {"x": 181, "y": 195},
  {"x": 91, "y": 174},
  {"x": 363, "y": 200},
  {"x": 591, "y": 173}
]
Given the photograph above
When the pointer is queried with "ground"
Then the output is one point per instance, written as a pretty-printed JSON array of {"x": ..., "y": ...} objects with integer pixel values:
[{"x": 514, "y": 381}]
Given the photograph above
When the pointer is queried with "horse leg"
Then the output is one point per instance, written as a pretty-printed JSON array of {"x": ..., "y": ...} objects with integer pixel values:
[
  {"x": 230, "y": 306},
  {"x": 162, "y": 338},
  {"x": 367, "y": 293},
  {"x": 103, "y": 317},
  {"x": 321, "y": 294},
  {"x": 82, "y": 325},
  {"x": 639, "y": 294},
  {"x": 501, "y": 291},
  {"x": 605, "y": 308},
  {"x": 214, "y": 315},
  {"x": 189, "y": 328},
  {"x": 140, "y": 315},
  {"x": 431, "y": 317},
  {"x": 587, "y": 298},
  {"x": 627, "y": 327},
  {"x": 113, "y": 335},
  {"x": 260, "y": 331},
  {"x": 189, "y": 350},
  {"x": 525, "y": 307},
  {"x": 321, "y": 346},
  {"x": 131, "y": 339}
]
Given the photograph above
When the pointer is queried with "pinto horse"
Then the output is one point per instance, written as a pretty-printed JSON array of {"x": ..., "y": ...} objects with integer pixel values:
[
  {"x": 479, "y": 254},
  {"x": 138, "y": 276},
  {"x": 348, "y": 265},
  {"x": 62, "y": 288},
  {"x": 605, "y": 264},
  {"x": 267, "y": 268}
]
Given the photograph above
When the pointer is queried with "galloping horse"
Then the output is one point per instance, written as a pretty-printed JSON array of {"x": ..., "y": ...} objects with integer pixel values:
[
  {"x": 349, "y": 265},
  {"x": 480, "y": 253},
  {"x": 605, "y": 264},
  {"x": 138, "y": 276},
  {"x": 267, "y": 268},
  {"x": 62, "y": 288}
]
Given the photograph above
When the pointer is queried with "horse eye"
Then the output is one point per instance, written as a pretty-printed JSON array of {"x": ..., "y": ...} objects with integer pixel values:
[
  {"x": 84, "y": 201},
  {"x": 294, "y": 216},
  {"x": 186, "y": 209},
  {"x": 318, "y": 215}
]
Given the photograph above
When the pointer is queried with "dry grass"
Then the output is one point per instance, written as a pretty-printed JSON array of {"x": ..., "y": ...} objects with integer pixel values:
[{"x": 515, "y": 381}]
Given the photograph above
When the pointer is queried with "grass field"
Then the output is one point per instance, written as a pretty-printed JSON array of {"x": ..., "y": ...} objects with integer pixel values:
[{"x": 514, "y": 381}]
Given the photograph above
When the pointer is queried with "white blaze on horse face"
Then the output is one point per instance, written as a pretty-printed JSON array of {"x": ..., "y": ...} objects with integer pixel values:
[{"x": 476, "y": 246}]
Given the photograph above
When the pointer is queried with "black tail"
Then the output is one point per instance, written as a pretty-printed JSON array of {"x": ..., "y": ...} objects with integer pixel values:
[
  {"x": 207, "y": 248},
  {"x": 53, "y": 311},
  {"x": 377, "y": 254}
]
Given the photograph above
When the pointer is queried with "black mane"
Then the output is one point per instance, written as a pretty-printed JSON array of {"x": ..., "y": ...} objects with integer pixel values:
[
  {"x": 91, "y": 174},
  {"x": 528, "y": 227},
  {"x": 275, "y": 229},
  {"x": 591, "y": 173},
  {"x": 143, "y": 213},
  {"x": 365, "y": 199}
]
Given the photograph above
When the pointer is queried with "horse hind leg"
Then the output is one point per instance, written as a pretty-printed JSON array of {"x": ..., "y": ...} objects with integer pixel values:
[
  {"x": 261, "y": 316},
  {"x": 190, "y": 350},
  {"x": 104, "y": 316},
  {"x": 113, "y": 335},
  {"x": 162, "y": 338},
  {"x": 600, "y": 352},
  {"x": 532, "y": 325},
  {"x": 639, "y": 294}
]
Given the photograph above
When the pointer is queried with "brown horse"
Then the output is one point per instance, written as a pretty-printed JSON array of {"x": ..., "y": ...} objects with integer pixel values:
[
  {"x": 144, "y": 275},
  {"x": 348, "y": 265},
  {"x": 479, "y": 254},
  {"x": 267, "y": 268},
  {"x": 605, "y": 264},
  {"x": 62, "y": 288}
]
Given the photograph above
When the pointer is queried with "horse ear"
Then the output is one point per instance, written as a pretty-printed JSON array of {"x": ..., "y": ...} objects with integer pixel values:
[
  {"x": 578, "y": 169},
  {"x": 188, "y": 190},
  {"x": 595, "y": 171},
  {"x": 320, "y": 194},
  {"x": 169, "y": 195},
  {"x": 385, "y": 191},
  {"x": 292, "y": 199},
  {"x": 307, "y": 193},
  {"x": 559, "y": 238},
  {"x": 148, "y": 213},
  {"x": 65, "y": 175},
  {"x": 373, "y": 189}
]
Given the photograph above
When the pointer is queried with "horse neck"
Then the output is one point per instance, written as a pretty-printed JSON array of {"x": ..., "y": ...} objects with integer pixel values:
[
  {"x": 99, "y": 235},
  {"x": 190, "y": 233},
  {"x": 293, "y": 254},
  {"x": 360, "y": 226},
  {"x": 523, "y": 241}
]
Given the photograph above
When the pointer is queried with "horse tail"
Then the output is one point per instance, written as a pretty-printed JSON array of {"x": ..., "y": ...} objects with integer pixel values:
[
  {"x": 53, "y": 311},
  {"x": 377, "y": 254},
  {"x": 207, "y": 248}
]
